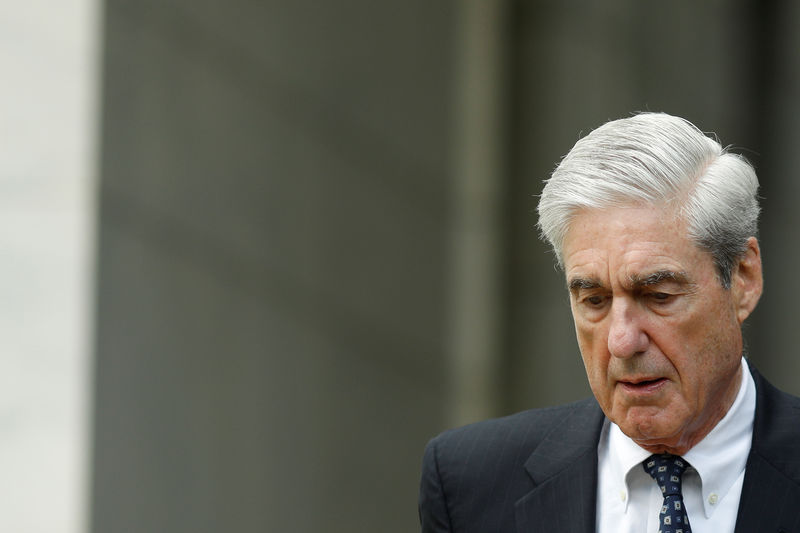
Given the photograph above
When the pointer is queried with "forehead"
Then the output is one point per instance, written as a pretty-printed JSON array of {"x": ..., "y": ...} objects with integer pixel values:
[{"x": 631, "y": 242}]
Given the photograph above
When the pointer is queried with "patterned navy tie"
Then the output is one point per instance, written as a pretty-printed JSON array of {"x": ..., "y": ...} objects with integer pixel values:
[{"x": 667, "y": 470}]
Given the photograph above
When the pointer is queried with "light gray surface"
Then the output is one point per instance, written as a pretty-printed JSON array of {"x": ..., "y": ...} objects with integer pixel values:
[{"x": 48, "y": 60}]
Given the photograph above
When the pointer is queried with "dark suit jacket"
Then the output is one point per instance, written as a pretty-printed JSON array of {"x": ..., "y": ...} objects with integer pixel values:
[{"x": 536, "y": 471}]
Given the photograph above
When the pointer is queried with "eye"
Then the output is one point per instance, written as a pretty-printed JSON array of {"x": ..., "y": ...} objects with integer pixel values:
[
  {"x": 660, "y": 296},
  {"x": 595, "y": 300}
]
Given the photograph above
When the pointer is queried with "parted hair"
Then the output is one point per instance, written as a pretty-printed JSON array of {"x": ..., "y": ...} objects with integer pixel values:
[{"x": 663, "y": 161}]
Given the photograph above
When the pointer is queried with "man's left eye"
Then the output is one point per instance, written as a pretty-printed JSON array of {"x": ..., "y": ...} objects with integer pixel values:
[{"x": 660, "y": 296}]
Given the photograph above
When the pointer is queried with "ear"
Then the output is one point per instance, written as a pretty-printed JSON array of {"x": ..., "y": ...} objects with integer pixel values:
[{"x": 747, "y": 283}]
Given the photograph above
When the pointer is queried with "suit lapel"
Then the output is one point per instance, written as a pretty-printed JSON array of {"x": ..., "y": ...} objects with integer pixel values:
[
  {"x": 564, "y": 469},
  {"x": 770, "y": 499}
]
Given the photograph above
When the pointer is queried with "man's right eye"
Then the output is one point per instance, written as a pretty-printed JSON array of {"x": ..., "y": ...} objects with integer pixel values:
[{"x": 594, "y": 300}]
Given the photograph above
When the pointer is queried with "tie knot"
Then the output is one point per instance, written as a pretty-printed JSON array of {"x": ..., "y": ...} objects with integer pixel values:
[{"x": 667, "y": 470}]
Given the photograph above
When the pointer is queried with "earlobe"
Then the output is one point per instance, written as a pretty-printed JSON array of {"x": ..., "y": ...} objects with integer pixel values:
[{"x": 747, "y": 281}]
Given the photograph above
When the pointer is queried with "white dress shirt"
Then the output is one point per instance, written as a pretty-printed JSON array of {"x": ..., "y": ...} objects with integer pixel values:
[{"x": 629, "y": 500}]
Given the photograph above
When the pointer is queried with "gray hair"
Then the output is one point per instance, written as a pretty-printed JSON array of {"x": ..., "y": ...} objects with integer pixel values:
[{"x": 661, "y": 160}]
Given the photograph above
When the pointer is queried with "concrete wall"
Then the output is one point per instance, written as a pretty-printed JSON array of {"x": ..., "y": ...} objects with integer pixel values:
[
  {"x": 271, "y": 292},
  {"x": 301, "y": 206}
]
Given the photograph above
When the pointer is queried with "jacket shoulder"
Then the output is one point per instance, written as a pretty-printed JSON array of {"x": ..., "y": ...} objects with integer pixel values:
[{"x": 473, "y": 475}]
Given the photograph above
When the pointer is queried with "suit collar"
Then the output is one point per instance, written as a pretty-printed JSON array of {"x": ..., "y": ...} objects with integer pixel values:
[{"x": 564, "y": 469}]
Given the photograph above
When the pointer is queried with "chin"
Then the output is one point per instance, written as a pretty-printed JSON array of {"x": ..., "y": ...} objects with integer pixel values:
[{"x": 647, "y": 429}]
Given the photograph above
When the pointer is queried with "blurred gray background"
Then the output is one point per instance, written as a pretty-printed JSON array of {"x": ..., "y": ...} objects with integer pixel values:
[{"x": 317, "y": 241}]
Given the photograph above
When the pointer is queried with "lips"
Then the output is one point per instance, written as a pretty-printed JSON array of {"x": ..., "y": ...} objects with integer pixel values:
[
  {"x": 643, "y": 385},
  {"x": 640, "y": 381}
]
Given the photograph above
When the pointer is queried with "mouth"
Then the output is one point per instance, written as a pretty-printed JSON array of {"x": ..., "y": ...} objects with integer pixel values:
[{"x": 642, "y": 385}]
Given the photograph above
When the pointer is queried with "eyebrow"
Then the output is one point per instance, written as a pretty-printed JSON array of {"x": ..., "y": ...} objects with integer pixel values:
[
  {"x": 637, "y": 281},
  {"x": 584, "y": 283},
  {"x": 658, "y": 276}
]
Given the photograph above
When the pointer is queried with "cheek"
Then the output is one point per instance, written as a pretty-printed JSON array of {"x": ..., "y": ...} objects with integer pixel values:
[
  {"x": 704, "y": 353},
  {"x": 592, "y": 337},
  {"x": 593, "y": 346}
]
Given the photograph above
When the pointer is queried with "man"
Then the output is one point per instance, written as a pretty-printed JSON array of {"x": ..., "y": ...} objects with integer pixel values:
[{"x": 654, "y": 225}]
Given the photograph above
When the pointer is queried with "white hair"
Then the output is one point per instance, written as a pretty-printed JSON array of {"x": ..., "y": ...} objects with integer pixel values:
[{"x": 660, "y": 160}]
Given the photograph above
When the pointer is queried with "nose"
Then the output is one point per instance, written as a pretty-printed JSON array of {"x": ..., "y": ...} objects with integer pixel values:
[{"x": 626, "y": 336}]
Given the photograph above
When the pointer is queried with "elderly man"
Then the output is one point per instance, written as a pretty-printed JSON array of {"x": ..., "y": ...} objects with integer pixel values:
[{"x": 654, "y": 225}]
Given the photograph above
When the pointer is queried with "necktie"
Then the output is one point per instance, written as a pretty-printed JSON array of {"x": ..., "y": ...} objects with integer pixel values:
[{"x": 667, "y": 470}]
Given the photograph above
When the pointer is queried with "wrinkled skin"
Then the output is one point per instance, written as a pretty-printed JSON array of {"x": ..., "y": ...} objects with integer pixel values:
[{"x": 659, "y": 335}]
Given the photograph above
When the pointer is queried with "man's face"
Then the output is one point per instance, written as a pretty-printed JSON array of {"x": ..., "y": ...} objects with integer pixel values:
[{"x": 659, "y": 335}]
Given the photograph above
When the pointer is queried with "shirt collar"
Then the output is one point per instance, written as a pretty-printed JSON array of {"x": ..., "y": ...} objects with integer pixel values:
[{"x": 719, "y": 458}]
